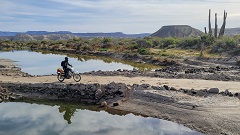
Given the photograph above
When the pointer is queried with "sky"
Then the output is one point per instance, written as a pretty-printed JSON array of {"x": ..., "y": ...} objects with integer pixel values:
[{"x": 127, "y": 16}]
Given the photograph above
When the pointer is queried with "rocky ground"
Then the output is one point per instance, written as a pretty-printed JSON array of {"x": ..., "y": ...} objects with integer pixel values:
[{"x": 202, "y": 95}]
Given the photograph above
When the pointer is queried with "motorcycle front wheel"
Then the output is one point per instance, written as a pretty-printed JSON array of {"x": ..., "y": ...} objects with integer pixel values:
[
  {"x": 60, "y": 78},
  {"x": 77, "y": 77}
]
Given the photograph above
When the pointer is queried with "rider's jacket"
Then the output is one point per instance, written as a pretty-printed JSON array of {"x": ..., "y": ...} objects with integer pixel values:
[{"x": 64, "y": 64}]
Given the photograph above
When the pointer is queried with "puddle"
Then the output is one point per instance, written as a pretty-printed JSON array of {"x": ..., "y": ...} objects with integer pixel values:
[{"x": 66, "y": 119}]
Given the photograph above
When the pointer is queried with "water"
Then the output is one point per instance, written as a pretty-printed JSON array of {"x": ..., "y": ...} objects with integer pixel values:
[
  {"x": 64, "y": 119},
  {"x": 36, "y": 63}
]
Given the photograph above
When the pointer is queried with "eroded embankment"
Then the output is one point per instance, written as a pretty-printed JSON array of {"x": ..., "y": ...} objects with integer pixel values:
[
  {"x": 91, "y": 93},
  {"x": 88, "y": 93}
]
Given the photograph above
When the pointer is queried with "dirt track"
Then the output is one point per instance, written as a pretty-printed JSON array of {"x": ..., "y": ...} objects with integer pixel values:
[{"x": 210, "y": 114}]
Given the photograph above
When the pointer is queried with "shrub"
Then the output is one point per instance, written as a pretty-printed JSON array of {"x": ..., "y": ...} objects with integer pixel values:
[
  {"x": 106, "y": 41},
  {"x": 143, "y": 43},
  {"x": 190, "y": 43},
  {"x": 207, "y": 39},
  {"x": 102, "y": 49},
  {"x": 143, "y": 51},
  {"x": 224, "y": 44},
  {"x": 132, "y": 47},
  {"x": 166, "y": 42},
  {"x": 85, "y": 47}
]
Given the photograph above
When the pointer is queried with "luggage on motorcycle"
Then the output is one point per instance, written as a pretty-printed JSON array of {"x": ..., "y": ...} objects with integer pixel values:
[{"x": 60, "y": 71}]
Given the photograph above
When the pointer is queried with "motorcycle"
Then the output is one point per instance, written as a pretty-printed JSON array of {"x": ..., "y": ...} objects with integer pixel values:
[{"x": 71, "y": 73}]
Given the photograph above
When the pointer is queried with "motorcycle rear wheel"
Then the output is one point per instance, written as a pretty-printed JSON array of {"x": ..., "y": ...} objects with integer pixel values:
[
  {"x": 77, "y": 77},
  {"x": 60, "y": 78}
]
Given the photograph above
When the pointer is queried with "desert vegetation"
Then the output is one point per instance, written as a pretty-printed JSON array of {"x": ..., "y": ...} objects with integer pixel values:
[{"x": 167, "y": 47}]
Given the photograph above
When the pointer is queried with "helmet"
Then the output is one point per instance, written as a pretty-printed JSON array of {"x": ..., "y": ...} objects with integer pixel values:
[{"x": 66, "y": 58}]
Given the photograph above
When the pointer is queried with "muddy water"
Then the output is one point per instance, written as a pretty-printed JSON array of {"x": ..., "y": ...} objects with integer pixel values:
[{"x": 66, "y": 119}]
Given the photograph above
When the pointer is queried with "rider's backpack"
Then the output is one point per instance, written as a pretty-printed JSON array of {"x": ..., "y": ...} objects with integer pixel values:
[{"x": 63, "y": 63}]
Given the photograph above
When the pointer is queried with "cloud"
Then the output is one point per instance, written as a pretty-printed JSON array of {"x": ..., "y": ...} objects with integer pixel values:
[{"x": 129, "y": 16}]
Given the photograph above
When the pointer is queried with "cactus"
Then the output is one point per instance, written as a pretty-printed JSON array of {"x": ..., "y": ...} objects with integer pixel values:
[
  {"x": 222, "y": 30},
  {"x": 216, "y": 26},
  {"x": 209, "y": 22}
]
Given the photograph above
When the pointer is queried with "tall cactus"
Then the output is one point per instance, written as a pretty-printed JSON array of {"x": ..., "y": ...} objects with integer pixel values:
[
  {"x": 209, "y": 22},
  {"x": 216, "y": 26},
  {"x": 222, "y": 30}
]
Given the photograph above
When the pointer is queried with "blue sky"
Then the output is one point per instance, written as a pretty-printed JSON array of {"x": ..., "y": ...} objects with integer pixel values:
[{"x": 128, "y": 16}]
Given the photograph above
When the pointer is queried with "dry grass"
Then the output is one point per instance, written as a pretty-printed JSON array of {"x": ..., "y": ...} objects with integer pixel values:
[{"x": 179, "y": 53}]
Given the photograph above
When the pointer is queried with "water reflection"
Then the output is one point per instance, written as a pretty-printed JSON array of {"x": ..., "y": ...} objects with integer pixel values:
[
  {"x": 33, "y": 119},
  {"x": 68, "y": 112},
  {"x": 36, "y": 63}
]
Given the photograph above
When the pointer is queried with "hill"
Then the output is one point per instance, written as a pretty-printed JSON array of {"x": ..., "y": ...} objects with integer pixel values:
[
  {"x": 232, "y": 31},
  {"x": 177, "y": 31},
  {"x": 63, "y": 35}
]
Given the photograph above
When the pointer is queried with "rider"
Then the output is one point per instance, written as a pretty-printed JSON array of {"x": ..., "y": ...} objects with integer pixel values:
[{"x": 64, "y": 65}]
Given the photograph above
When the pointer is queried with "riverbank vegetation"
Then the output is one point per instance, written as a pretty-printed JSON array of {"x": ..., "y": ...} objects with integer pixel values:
[{"x": 207, "y": 45}]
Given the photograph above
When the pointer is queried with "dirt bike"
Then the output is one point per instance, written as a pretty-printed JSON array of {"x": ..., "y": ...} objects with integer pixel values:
[{"x": 71, "y": 73}]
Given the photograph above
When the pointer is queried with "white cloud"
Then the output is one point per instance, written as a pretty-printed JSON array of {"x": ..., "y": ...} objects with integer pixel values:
[{"x": 128, "y": 16}]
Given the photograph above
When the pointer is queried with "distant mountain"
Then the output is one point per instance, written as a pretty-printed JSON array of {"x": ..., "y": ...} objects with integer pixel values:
[
  {"x": 115, "y": 34},
  {"x": 8, "y": 33},
  {"x": 22, "y": 37},
  {"x": 47, "y": 33},
  {"x": 27, "y": 37},
  {"x": 232, "y": 31},
  {"x": 41, "y": 35},
  {"x": 177, "y": 31}
]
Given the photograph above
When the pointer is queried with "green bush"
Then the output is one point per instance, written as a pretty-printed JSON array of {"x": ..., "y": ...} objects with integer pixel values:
[
  {"x": 143, "y": 51},
  {"x": 143, "y": 43},
  {"x": 190, "y": 43},
  {"x": 166, "y": 42},
  {"x": 207, "y": 39},
  {"x": 224, "y": 44},
  {"x": 132, "y": 47},
  {"x": 102, "y": 49}
]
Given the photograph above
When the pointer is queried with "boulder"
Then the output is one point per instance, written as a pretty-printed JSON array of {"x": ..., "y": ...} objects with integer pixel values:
[
  {"x": 103, "y": 104},
  {"x": 166, "y": 87},
  {"x": 98, "y": 94},
  {"x": 213, "y": 90}
]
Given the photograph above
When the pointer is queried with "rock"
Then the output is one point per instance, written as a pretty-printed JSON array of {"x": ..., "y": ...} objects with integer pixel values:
[
  {"x": 166, "y": 87},
  {"x": 116, "y": 104},
  {"x": 134, "y": 70},
  {"x": 194, "y": 92},
  {"x": 98, "y": 94},
  {"x": 226, "y": 93},
  {"x": 202, "y": 92},
  {"x": 213, "y": 90},
  {"x": 173, "y": 89},
  {"x": 1, "y": 100},
  {"x": 141, "y": 87},
  {"x": 12, "y": 98},
  {"x": 103, "y": 104},
  {"x": 157, "y": 88}
]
